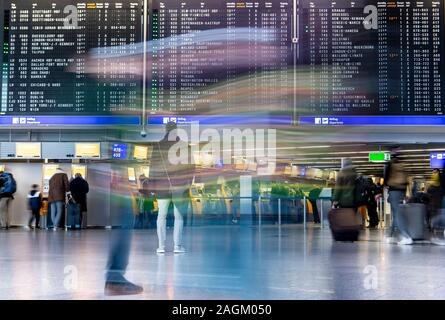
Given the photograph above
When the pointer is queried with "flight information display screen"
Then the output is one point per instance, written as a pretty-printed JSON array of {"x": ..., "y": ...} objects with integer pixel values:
[
  {"x": 45, "y": 66},
  {"x": 371, "y": 57},
  {"x": 219, "y": 57}
]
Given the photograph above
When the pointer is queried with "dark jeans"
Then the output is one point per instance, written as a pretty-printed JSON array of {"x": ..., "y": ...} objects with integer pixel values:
[
  {"x": 120, "y": 246},
  {"x": 35, "y": 215}
]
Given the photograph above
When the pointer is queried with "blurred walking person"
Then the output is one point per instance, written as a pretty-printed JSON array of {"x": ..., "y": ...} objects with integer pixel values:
[
  {"x": 58, "y": 188},
  {"x": 345, "y": 187},
  {"x": 171, "y": 183},
  {"x": 343, "y": 219},
  {"x": 396, "y": 180},
  {"x": 435, "y": 194},
  {"x": 120, "y": 244},
  {"x": 34, "y": 204}
]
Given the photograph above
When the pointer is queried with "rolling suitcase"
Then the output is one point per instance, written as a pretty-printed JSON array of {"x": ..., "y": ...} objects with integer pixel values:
[
  {"x": 344, "y": 224},
  {"x": 72, "y": 215},
  {"x": 412, "y": 220}
]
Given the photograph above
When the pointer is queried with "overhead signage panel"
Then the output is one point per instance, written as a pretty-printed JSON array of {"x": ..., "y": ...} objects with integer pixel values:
[
  {"x": 87, "y": 150},
  {"x": 28, "y": 150}
]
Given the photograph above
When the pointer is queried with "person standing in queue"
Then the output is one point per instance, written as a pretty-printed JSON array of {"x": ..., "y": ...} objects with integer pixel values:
[
  {"x": 58, "y": 188},
  {"x": 372, "y": 192},
  {"x": 8, "y": 187},
  {"x": 396, "y": 181},
  {"x": 314, "y": 194},
  {"x": 79, "y": 188},
  {"x": 171, "y": 181},
  {"x": 434, "y": 192},
  {"x": 34, "y": 204},
  {"x": 344, "y": 191}
]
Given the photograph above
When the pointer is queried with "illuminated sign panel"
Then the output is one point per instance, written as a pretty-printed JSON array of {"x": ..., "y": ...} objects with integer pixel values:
[
  {"x": 49, "y": 170},
  {"x": 119, "y": 151},
  {"x": 437, "y": 160},
  {"x": 28, "y": 150},
  {"x": 87, "y": 150},
  {"x": 140, "y": 152},
  {"x": 131, "y": 174},
  {"x": 379, "y": 157}
]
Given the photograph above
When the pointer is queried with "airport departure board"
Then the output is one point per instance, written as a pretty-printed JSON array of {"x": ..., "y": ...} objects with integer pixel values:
[
  {"x": 371, "y": 57},
  {"x": 45, "y": 51},
  {"x": 221, "y": 56}
]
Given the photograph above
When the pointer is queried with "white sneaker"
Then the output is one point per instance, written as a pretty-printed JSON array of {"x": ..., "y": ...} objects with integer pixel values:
[
  {"x": 438, "y": 241},
  {"x": 160, "y": 250},
  {"x": 405, "y": 241},
  {"x": 179, "y": 249}
]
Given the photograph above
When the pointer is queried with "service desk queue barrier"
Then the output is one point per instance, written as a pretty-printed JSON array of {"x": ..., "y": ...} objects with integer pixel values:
[{"x": 291, "y": 205}]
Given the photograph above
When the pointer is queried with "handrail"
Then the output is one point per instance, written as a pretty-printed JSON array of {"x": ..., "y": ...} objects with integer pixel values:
[{"x": 266, "y": 198}]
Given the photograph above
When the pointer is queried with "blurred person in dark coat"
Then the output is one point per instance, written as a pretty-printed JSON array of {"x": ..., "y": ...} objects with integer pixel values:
[
  {"x": 79, "y": 188},
  {"x": 396, "y": 179}
]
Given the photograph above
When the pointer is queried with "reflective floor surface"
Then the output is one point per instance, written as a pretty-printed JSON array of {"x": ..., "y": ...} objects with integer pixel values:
[{"x": 222, "y": 262}]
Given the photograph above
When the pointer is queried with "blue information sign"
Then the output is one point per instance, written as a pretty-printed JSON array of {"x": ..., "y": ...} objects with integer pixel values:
[
  {"x": 437, "y": 160},
  {"x": 119, "y": 151},
  {"x": 29, "y": 121},
  {"x": 372, "y": 120},
  {"x": 223, "y": 120}
]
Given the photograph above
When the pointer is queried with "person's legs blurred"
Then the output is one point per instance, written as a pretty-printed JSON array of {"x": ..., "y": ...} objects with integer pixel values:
[
  {"x": 31, "y": 220},
  {"x": 83, "y": 220},
  {"x": 163, "y": 205},
  {"x": 37, "y": 217},
  {"x": 118, "y": 258},
  {"x": 315, "y": 211},
  {"x": 4, "y": 212},
  {"x": 372, "y": 214},
  {"x": 56, "y": 213},
  {"x": 180, "y": 209},
  {"x": 53, "y": 212},
  {"x": 395, "y": 198}
]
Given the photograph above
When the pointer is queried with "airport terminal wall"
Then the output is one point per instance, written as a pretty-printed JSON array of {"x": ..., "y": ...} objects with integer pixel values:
[{"x": 30, "y": 171}]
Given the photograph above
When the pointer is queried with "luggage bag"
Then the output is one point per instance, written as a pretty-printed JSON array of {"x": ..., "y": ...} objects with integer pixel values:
[
  {"x": 72, "y": 215},
  {"x": 344, "y": 224},
  {"x": 412, "y": 220}
]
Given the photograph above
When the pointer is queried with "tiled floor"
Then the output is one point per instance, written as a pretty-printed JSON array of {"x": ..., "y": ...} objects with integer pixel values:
[{"x": 223, "y": 262}]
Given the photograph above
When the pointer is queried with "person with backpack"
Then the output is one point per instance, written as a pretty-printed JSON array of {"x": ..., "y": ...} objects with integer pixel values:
[
  {"x": 8, "y": 187},
  {"x": 34, "y": 204},
  {"x": 396, "y": 180},
  {"x": 58, "y": 188}
]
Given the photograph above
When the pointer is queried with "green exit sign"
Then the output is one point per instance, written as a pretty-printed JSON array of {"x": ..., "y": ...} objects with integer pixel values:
[{"x": 379, "y": 157}]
